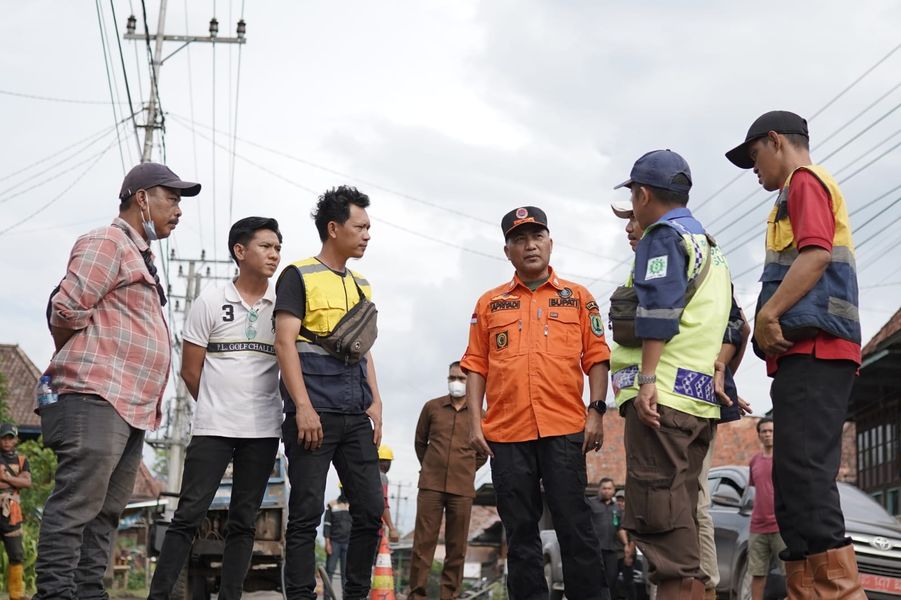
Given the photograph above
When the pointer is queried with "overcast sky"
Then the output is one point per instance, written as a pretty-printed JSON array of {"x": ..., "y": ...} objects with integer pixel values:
[{"x": 448, "y": 114}]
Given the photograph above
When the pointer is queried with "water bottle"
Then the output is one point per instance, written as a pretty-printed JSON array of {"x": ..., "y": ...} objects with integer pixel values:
[{"x": 44, "y": 393}]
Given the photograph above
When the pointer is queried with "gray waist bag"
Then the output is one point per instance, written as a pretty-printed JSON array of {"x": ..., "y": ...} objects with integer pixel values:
[{"x": 354, "y": 334}]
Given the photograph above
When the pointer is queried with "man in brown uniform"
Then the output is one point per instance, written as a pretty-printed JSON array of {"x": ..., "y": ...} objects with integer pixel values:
[{"x": 449, "y": 464}]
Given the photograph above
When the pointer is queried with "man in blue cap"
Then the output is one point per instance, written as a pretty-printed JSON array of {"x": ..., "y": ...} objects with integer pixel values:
[{"x": 663, "y": 371}]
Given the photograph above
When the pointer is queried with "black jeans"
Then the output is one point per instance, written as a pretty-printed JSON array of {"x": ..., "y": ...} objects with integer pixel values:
[
  {"x": 611, "y": 568},
  {"x": 810, "y": 404},
  {"x": 206, "y": 459},
  {"x": 518, "y": 470},
  {"x": 97, "y": 455},
  {"x": 347, "y": 442}
]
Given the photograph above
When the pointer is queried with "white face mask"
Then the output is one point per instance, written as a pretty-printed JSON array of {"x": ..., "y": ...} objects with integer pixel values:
[
  {"x": 457, "y": 389},
  {"x": 149, "y": 226}
]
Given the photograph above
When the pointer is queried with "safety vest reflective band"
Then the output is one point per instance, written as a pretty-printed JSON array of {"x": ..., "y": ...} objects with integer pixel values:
[
  {"x": 832, "y": 304},
  {"x": 328, "y": 298},
  {"x": 685, "y": 370}
]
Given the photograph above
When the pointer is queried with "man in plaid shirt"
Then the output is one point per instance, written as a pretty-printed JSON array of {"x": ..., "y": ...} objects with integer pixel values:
[{"x": 111, "y": 367}]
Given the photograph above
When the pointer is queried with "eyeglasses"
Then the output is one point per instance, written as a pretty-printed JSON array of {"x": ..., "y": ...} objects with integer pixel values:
[{"x": 250, "y": 332}]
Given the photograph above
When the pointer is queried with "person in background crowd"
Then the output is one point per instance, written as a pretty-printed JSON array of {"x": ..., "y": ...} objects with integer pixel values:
[
  {"x": 446, "y": 486},
  {"x": 110, "y": 368},
  {"x": 15, "y": 475},
  {"x": 336, "y": 531},
  {"x": 386, "y": 457},
  {"x": 765, "y": 543},
  {"x": 532, "y": 340},
  {"x": 607, "y": 519},
  {"x": 625, "y": 552},
  {"x": 229, "y": 367},
  {"x": 807, "y": 328}
]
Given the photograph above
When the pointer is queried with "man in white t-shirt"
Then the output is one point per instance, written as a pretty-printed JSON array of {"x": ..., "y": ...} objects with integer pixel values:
[{"x": 229, "y": 367}]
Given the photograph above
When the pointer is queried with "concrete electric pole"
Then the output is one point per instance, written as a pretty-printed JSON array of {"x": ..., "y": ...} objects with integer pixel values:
[
  {"x": 157, "y": 61},
  {"x": 177, "y": 431}
]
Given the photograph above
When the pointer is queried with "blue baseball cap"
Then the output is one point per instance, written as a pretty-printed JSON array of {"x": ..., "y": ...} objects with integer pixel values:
[{"x": 659, "y": 169}]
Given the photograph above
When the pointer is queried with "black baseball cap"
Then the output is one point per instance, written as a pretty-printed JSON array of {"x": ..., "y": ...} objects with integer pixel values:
[
  {"x": 659, "y": 169},
  {"x": 148, "y": 175},
  {"x": 780, "y": 121},
  {"x": 8, "y": 429},
  {"x": 524, "y": 215}
]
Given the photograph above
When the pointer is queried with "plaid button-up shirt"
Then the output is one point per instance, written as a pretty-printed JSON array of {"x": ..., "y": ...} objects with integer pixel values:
[{"x": 121, "y": 349}]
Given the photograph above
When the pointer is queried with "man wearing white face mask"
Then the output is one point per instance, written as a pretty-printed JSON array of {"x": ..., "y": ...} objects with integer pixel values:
[
  {"x": 110, "y": 368},
  {"x": 449, "y": 464}
]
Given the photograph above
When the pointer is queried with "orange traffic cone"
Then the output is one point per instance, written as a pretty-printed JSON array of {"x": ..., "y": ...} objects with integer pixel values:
[{"x": 383, "y": 574}]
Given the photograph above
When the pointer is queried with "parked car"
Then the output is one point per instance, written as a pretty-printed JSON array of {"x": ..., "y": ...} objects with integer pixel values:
[{"x": 875, "y": 534}]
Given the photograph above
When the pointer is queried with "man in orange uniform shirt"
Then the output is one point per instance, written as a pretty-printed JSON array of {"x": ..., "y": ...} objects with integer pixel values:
[{"x": 531, "y": 341}]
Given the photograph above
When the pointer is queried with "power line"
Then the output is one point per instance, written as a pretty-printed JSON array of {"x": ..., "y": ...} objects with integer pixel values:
[
  {"x": 186, "y": 123},
  {"x": 131, "y": 106},
  {"x": 231, "y": 191},
  {"x": 109, "y": 81},
  {"x": 378, "y": 219},
  {"x": 53, "y": 99},
  {"x": 191, "y": 105},
  {"x": 53, "y": 200},
  {"x": 102, "y": 133},
  {"x": 51, "y": 178},
  {"x": 832, "y": 101}
]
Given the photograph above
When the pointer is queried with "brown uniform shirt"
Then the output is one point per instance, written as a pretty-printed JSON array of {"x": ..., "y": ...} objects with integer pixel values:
[{"x": 449, "y": 463}]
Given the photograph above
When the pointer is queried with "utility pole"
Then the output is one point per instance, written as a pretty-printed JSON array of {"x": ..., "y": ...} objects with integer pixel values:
[
  {"x": 177, "y": 431},
  {"x": 177, "y": 428},
  {"x": 398, "y": 499},
  {"x": 153, "y": 108}
]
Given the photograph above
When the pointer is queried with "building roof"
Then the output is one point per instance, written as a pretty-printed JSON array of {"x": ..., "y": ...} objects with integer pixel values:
[
  {"x": 890, "y": 332},
  {"x": 21, "y": 376},
  {"x": 146, "y": 486}
]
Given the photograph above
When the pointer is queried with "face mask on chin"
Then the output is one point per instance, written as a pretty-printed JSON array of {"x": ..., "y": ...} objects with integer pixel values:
[
  {"x": 456, "y": 389},
  {"x": 149, "y": 226}
]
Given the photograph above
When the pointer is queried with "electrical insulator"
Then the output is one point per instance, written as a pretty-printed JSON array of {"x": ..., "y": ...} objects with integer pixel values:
[
  {"x": 214, "y": 27},
  {"x": 242, "y": 29},
  {"x": 131, "y": 24}
]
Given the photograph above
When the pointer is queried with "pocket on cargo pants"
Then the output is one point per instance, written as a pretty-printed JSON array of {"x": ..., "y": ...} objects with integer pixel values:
[{"x": 649, "y": 508}]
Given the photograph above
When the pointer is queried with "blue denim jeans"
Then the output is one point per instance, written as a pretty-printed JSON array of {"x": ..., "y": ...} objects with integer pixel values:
[{"x": 97, "y": 455}]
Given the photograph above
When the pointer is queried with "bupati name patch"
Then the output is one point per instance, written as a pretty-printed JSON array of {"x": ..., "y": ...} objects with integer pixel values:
[
  {"x": 563, "y": 302},
  {"x": 497, "y": 305}
]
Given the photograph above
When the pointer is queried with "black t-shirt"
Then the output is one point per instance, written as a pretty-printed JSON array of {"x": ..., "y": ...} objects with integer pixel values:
[{"x": 290, "y": 293}]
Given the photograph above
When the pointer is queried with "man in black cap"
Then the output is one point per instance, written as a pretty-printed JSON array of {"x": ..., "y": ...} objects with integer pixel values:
[
  {"x": 532, "y": 340},
  {"x": 807, "y": 329},
  {"x": 110, "y": 369}
]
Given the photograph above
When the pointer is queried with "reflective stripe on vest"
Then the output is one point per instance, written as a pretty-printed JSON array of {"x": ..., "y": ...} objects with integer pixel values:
[
  {"x": 832, "y": 304},
  {"x": 328, "y": 298},
  {"x": 685, "y": 370}
]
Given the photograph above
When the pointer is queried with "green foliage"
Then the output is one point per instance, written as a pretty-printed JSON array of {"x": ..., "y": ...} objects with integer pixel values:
[
  {"x": 43, "y": 470},
  {"x": 4, "y": 409},
  {"x": 433, "y": 587}
]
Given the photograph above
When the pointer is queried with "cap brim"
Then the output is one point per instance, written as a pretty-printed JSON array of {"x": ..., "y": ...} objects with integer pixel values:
[
  {"x": 739, "y": 156},
  {"x": 187, "y": 188},
  {"x": 626, "y": 183},
  {"x": 622, "y": 213}
]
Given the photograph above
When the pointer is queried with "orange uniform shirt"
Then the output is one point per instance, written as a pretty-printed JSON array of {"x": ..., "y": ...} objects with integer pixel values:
[{"x": 534, "y": 350}]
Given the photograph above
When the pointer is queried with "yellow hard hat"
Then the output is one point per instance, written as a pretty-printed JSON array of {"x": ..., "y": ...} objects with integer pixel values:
[{"x": 385, "y": 453}]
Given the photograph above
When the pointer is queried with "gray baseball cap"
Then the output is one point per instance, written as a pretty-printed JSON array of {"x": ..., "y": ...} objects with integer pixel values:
[
  {"x": 148, "y": 175},
  {"x": 7, "y": 429}
]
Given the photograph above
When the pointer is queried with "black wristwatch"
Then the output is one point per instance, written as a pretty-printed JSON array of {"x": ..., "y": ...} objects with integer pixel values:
[{"x": 598, "y": 405}]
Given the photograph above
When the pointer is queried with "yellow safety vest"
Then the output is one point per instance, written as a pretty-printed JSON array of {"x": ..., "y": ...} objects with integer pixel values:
[
  {"x": 685, "y": 370},
  {"x": 328, "y": 295}
]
